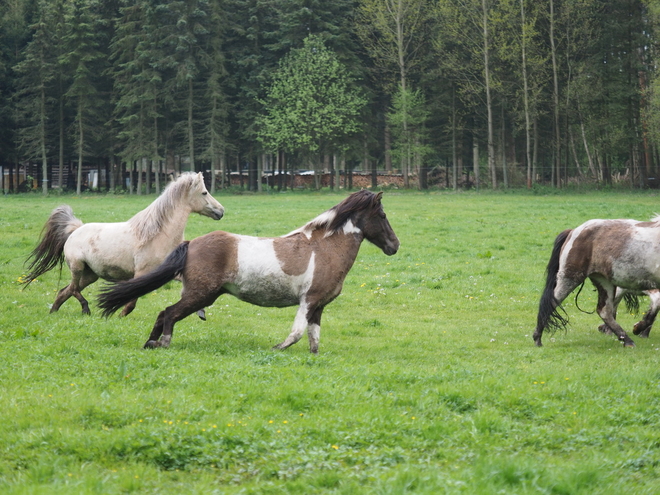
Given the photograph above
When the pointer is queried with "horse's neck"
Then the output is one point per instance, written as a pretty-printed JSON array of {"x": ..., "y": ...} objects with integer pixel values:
[
  {"x": 346, "y": 246},
  {"x": 160, "y": 222},
  {"x": 175, "y": 225}
]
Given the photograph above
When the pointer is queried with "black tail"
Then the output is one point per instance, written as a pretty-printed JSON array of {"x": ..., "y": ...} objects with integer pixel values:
[
  {"x": 548, "y": 316},
  {"x": 50, "y": 251},
  {"x": 114, "y": 296},
  {"x": 632, "y": 302}
]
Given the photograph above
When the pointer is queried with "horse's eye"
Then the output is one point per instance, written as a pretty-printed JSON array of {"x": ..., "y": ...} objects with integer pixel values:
[{"x": 204, "y": 193}]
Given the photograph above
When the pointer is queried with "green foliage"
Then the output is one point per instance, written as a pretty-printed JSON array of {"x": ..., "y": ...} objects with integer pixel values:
[
  {"x": 427, "y": 379},
  {"x": 407, "y": 120},
  {"x": 312, "y": 103}
]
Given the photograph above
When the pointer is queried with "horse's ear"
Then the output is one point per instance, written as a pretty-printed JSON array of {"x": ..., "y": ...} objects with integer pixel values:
[{"x": 379, "y": 196}]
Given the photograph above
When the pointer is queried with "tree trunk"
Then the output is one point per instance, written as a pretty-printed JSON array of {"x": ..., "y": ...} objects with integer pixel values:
[
  {"x": 489, "y": 105},
  {"x": 80, "y": 150},
  {"x": 191, "y": 135},
  {"x": 555, "y": 95},
  {"x": 475, "y": 160},
  {"x": 528, "y": 144},
  {"x": 454, "y": 149}
]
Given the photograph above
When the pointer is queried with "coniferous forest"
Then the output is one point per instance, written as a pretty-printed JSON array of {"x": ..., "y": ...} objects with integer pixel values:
[{"x": 117, "y": 94}]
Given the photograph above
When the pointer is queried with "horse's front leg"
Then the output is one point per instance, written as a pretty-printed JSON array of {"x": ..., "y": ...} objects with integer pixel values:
[
  {"x": 300, "y": 323},
  {"x": 619, "y": 293},
  {"x": 314, "y": 330},
  {"x": 607, "y": 311}
]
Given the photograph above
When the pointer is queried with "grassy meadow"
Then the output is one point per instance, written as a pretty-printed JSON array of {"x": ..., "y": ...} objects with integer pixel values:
[{"x": 427, "y": 380}]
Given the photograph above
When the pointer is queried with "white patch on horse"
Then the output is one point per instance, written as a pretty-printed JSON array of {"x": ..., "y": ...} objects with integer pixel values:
[
  {"x": 350, "y": 228},
  {"x": 261, "y": 280},
  {"x": 323, "y": 220}
]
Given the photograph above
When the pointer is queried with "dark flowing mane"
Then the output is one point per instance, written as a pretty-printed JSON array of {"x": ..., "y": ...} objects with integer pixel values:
[{"x": 336, "y": 217}]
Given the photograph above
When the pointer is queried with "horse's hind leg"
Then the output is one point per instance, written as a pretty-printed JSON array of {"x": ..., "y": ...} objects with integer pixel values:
[
  {"x": 81, "y": 277},
  {"x": 62, "y": 296},
  {"x": 643, "y": 327},
  {"x": 606, "y": 309},
  {"x": 130, "y": 306},
  {"x": 190, "y": 302}
]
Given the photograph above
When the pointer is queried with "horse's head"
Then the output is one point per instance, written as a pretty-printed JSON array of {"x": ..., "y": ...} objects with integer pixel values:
[
  {"x": 372, "y": 221},
  {"x": 202, "y": 202}
]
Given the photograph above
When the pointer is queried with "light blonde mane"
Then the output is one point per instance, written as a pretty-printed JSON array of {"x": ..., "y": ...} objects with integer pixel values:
[
  {"x": 147, "y": 223},
  {"x": 656, "y": 217}
]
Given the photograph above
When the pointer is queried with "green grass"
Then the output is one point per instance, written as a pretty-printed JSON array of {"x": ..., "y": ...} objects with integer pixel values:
[{"x": 427, "y": 379}]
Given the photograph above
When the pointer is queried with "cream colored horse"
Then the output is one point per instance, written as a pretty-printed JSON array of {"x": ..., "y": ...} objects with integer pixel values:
[{"x": 119, "y": 251}]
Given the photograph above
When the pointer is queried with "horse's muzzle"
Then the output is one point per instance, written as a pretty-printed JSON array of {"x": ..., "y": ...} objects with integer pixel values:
[
  {"x": 391, "y": 248},
  {"x": 217, "y": 213}
]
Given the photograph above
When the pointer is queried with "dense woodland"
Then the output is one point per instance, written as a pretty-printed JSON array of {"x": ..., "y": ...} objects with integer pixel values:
[{"x": 442, "y": 93}]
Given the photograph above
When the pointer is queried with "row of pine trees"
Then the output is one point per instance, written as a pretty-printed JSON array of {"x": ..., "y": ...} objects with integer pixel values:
[{"x": 451, "y": 93}]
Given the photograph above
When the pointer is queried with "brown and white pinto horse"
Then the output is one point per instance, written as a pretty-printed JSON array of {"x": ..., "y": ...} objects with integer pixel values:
[
  {"x": 119, "y": 251},
  {"x": 306, "y": 267},
  {"x": 618, "y": 256}
]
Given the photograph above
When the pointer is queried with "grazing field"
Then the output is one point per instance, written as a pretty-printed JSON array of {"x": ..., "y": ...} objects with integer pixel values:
[{"x": 427, "y": 379}]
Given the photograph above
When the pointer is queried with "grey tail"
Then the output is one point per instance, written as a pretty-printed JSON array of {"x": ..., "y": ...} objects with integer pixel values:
[{"x": 49, "y": 253}]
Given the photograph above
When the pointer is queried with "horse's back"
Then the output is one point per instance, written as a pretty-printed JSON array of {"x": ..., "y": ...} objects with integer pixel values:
[{"x": 627, "y": 252}]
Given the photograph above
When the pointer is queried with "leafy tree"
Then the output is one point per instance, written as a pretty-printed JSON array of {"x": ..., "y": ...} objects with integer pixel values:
[
  {"x": 393, "y": 33},
  {"x": 311, "y": 105},
  {"x": 407, "y": 121}
]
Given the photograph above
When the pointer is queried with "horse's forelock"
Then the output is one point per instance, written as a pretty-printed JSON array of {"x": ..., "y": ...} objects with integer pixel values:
[{"x": 358, "y": 201}]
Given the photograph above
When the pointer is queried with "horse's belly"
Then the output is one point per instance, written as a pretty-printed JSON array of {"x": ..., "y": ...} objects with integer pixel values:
[
  {"x": 268, "y": 293},
  {"x": 106, "y": 249}
]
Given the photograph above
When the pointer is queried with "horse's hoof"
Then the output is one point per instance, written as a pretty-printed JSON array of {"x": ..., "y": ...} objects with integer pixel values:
[
  {"x": 202, "y": 314},
  {"x": 641, "y": 330},
  {"x": 629, "y": 344},
  {"x": 152, "y": 344},
  {"x": 605, "y": 329}
]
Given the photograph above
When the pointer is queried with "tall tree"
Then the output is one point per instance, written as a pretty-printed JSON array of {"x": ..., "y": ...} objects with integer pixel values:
[
  {"x": 85, "y": 62},
  {"x": 36, "y": 74},
  {"x": 312, "y": 103},
  {"x": 393, "y": 33}
]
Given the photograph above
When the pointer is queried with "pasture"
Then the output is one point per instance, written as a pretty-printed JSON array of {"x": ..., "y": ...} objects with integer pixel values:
[{"x": 427, "y": 379}]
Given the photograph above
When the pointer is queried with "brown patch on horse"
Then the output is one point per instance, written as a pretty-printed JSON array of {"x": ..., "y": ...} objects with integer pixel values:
[
  {"x": 333, "y": 270},
  {"x": 293, "y": 253},
  {"x": 209, "y": 255},
  {"x": 601, "y": 243},
  {"x": 646, "y": 225}
]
